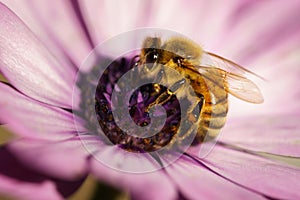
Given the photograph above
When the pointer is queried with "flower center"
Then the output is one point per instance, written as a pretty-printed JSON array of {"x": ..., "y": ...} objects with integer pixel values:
[
  {"x": 140, "y": 109},
  {"x": 167, "y": 126},
  {"x": 139, "y": 105}
]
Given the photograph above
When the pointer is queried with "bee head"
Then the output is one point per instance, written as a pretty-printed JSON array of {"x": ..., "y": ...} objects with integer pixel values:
[{"x": 150, "y": 49}]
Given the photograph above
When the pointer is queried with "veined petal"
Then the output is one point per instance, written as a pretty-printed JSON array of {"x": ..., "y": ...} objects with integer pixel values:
[
  {"x": 20, "y": 182},
  {"x": 277, "y": 134},
  {"x": 22, "y": 10},
  {"x": 138, "y": 185},
  {"x": 196, "y": 182},
  {"x": 123, "y": 16},
  {"x": 27, "y": 117},
  {"x": 28, "y": 65},
  {"x": 273, "y": 179},
  {"x": 65, "y": 159},
  {"x": 247, "y": 39},
  {"x": 173, "y": 15},
  {"x": 62, "y": 23},
  {"x": 57, "y": 25}
]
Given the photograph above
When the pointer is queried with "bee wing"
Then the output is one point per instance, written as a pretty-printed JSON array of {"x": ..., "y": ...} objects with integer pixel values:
[
  {"x": 235, "y": 84},
  {"x": 211, "y": 59},
  {"x": 243, "y": 88}
]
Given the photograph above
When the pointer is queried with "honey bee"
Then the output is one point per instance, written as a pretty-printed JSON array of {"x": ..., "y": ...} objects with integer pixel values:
[{"x": 210, "y": 81}]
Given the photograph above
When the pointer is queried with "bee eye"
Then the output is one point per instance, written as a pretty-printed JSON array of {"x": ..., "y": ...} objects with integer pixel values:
[{"x": 152, "y": 56}]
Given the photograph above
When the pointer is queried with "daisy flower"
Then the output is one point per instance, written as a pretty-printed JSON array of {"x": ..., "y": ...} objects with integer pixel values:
[{"x": 53, "y": 79}]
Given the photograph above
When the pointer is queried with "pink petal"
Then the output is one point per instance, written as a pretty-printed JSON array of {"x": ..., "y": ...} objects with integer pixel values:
[
  {"x": 57, "y": 25},
  {"x": 276, "y": 134},
  {"x": 106, "y": 19},
  {"x": 22, "y": 10},
  {"x": 59, "y": 20},
  {"x": 121, "y": 160},
  {"x": 28, "y": 191},
  {"x": 196, "y": 19},
  {"x": 196, "y": 182},
  {"x": 154, "y": 185},
  {"x": 30, "y": 118},
  {"x": 246, "y": 39},
  {"x": 20, "y": 182},
  {"x": 28, "y": 65},
  {"x": 65, "y": 159},
  {"x": 271, "y": 178}
]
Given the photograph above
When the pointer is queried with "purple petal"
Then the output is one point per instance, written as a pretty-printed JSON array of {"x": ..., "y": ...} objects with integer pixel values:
[
  {"x": 196, "y": 182},
  {"x": 20, "y": 182},
  {"x": 196, "y": 19},
  {"x": 33, "y": 119},
  {"x": 21, "y": 7},
  {"x": 277, "y": 134},
  {"x": 122, "y": 160},
  {"x": 28, "y": 65},
  {"x": 57, "y": 25},
  {"x": 62, "y": 23},
  {"x": 154, "y": 185},
  {"x": 122, "y": 17},
  {"x": 271, "y": 178},
  {"x": 246, "y": 39},
  {"x": 65, "y": 159}
]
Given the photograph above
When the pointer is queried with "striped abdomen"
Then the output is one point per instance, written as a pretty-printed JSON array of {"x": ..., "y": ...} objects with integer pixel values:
[{"x": 211, "y": 86}]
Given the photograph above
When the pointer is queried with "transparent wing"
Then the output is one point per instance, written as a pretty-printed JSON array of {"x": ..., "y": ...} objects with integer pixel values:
[
  {"x": 243, "y": 88},
  {"x": 235, "y": 84},
  {"x": 210, "y": 59}
]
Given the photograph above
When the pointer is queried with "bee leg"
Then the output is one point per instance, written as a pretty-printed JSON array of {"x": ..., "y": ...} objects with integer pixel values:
[
  {"x": 161, "y": 99},
  {"x": 168, "y": 94},
  {"x": 160, "y": 75},
  {"x": 194, "y": 117},
  {"x": 191, "y": 132},
  {"x": 199, "y": 105},
  {"x": 177, "y": 85}
]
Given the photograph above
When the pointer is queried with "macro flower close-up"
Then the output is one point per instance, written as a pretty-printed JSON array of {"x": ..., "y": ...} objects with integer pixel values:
[{"x": 149, "y": 99}]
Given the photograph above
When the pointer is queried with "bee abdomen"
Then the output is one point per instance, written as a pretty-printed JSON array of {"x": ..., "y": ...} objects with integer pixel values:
[{"x": 213, "y": 118}]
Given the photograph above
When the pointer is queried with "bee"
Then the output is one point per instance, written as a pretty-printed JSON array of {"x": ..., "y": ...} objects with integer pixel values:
[{"x": 212, "y": 78}]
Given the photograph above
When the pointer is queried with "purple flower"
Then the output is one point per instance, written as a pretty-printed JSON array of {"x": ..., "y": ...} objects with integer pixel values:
[{"x": 48, "y": 160}]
